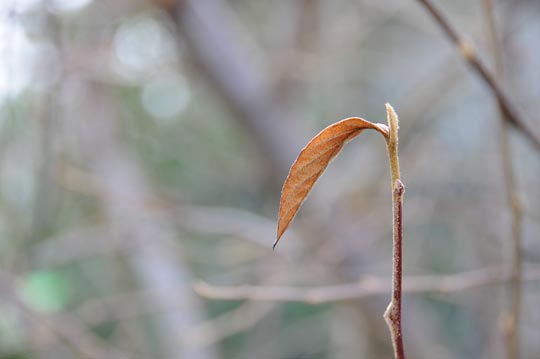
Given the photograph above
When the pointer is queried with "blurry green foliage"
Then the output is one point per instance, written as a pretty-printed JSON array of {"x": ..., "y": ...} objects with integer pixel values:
[{"x": 46, "y": 290}]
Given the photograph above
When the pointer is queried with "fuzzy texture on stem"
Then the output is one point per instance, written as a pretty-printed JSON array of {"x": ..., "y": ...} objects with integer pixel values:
[
  {"x": 392, "y": 143},
  {"x": 392, "y": 315}
]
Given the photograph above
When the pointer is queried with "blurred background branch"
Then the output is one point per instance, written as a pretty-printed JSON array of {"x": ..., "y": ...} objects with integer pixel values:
[
  {"x": 469, "y": 54},
  {"x": 436, "y": 284},
  {"x": 513, "y": 316}
]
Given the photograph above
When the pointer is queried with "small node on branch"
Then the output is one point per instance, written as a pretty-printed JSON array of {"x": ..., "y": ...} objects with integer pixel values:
[{"x": 467, "y": 50}]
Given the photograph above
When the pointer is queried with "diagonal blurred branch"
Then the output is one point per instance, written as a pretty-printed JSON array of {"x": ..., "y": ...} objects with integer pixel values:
[
  {"x": 469, "y": 54},
  {"x": 228, "y": 58},
  {"x": 301, "y": 43},
  {"x": 367, "y": 288}
]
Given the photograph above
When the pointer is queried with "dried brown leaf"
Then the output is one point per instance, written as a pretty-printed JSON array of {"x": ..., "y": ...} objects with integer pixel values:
[{"x": 313, "y": 160}]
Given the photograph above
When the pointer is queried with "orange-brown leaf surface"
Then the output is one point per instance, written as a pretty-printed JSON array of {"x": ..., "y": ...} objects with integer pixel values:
[{"x": 313, "y": 160}]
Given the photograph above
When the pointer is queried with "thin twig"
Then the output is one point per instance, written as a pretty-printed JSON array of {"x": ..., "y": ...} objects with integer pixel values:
[
  {"x": 392, "y": 315},
  {"x": 514, "y": 205},
  {"x": 469, "y": 54},
  {"x": 369, "y": 287}
]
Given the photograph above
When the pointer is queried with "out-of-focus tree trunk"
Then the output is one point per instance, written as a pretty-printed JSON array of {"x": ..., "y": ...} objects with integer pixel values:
[{"x": 124, "y": 197}]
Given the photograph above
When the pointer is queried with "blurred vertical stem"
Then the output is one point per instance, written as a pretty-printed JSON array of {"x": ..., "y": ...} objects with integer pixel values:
[
  {"x": 392, "y": 315},
  {"x": 512, "y": 319}
]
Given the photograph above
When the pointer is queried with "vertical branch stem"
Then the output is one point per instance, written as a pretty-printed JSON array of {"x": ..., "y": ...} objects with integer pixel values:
[
  {"x": 511, "y": 327},
  {"x": 392, "y": 315}
]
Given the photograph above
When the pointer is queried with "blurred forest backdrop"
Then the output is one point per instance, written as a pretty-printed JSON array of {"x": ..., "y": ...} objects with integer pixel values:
[{"x": 143, "y": 145}]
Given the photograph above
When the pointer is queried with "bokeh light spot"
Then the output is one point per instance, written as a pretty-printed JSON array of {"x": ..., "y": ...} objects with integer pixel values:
[
  {"x": 141, "y": 45},
  {"x": 69, "y": 5},
  {"x": 166, "y": 96}
]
